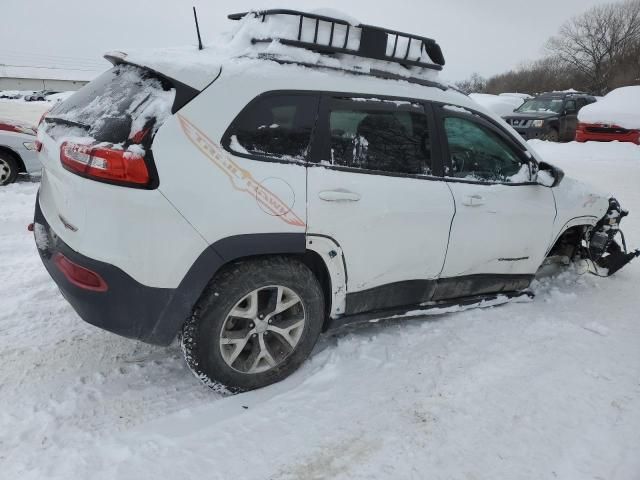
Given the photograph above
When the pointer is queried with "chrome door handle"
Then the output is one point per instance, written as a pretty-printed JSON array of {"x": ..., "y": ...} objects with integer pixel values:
[
  {"x": 338, "y": 196},
  {"x": 473, "y": 200}
]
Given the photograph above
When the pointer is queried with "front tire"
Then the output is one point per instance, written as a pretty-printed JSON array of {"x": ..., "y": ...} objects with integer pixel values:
[
  {"x": 254, "y": 325},
  {"x": 551, "y": 136},
  {"x": 8, "y": 169}
]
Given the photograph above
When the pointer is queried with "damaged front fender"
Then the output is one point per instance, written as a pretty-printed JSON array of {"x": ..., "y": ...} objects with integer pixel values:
[{"x": 602, "y": 247}]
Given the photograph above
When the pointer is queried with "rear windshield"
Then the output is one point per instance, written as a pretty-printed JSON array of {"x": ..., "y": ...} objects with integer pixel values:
[{"x": 124, "y": 103}]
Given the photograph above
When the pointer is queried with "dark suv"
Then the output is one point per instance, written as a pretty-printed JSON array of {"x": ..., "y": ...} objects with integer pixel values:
[{"x": 550, "y": 116}]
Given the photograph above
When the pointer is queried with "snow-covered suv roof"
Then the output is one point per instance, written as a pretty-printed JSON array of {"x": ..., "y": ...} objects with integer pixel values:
[{"x": 279, "y": 34}]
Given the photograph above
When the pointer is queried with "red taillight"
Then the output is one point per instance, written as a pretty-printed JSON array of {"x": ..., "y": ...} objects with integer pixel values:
[
  {"x": 81, "y": 277},
  {"x": 102, "y": 163}
]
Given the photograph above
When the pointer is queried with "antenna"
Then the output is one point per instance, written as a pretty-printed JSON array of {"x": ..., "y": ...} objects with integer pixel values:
[{"x": 195, "y": 17}]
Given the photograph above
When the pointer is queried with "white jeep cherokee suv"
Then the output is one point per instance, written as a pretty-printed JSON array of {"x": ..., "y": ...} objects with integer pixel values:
[{"x": 308, "y": 174}]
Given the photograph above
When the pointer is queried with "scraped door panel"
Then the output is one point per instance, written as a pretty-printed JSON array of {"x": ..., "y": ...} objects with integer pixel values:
[
  {"x": 391, "y": 229},
  {"x": 499, "y": 229}
]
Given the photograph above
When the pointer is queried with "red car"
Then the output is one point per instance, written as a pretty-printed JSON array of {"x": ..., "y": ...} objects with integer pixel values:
[
  {"x": 616, "y": 116},
  {"x": 601, "y": 132}
]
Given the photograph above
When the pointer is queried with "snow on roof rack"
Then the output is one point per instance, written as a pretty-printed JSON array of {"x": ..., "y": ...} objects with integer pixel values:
[{"x": 360, "y": 40}]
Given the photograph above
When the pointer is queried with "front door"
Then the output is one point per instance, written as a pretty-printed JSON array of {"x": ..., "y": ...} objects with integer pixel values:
[
  {"x": 503, "y": 220},
  {"x": 570, "y": 122},
  {"x": 374, "y": 192}
]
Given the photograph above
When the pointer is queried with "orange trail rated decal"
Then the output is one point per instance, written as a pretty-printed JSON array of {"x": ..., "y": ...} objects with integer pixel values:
[{"x": 241, "y": 179}]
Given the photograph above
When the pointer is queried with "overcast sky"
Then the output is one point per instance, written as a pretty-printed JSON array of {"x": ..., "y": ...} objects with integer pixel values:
[{"x": 484, "y": 36}]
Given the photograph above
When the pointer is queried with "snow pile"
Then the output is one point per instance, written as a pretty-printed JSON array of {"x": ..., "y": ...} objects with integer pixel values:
[
  {"x": 199, "y": 67},
  {"x": 17, "y": 126},
  {"x": 59, "y": 97},
  {"x": 523, "y": 96},
  {"x": 500, "y": 105},
  {"x": 619, "y": 107},
  {"x": 28, "y": 112}
]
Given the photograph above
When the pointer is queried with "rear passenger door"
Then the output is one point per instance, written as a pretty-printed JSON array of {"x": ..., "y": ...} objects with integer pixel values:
[{"x": 375, "y": 190}]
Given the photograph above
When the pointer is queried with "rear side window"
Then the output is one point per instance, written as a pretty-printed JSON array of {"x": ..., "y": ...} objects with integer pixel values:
[
  {"x": 124, "y": 103},
  {"x": 381, "y": 136},
  {"x": 277, "y": 126}
]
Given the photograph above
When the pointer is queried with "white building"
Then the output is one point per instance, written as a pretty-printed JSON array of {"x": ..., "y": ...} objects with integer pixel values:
[{"x": 44, "y": 78}]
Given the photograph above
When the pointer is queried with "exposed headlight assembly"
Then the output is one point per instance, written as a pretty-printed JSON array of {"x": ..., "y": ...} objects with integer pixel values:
[{"x": 537, "y": 123}]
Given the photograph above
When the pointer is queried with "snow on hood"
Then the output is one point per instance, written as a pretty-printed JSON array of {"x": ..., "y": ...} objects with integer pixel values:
[
  {"x": 15, "y": 126},
  {"x": 198, "y": 68},
  {"x": 523, "y": 96},
  {"x": 497, "y": 104},
  {"x": 619, "y": 107}
]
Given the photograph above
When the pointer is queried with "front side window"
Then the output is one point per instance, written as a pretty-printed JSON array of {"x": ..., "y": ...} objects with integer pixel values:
[
  {"x": 570, "y": 107},
  {"x": 384, "y": 137},
  {"x": 276, "y": 126},
  {"x": 478, "y": 153}
]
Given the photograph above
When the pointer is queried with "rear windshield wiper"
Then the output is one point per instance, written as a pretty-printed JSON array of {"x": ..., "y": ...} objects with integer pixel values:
[{"x": 70, "y": 123}]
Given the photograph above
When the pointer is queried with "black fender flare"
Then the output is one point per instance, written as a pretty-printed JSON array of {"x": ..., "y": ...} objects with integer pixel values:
[{"x": 210, "y": 261}]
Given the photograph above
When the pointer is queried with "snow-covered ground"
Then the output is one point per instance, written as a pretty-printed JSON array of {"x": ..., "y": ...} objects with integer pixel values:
[
  {"x": 540, "y": 390},
  {"x": 29, "y": 112}
]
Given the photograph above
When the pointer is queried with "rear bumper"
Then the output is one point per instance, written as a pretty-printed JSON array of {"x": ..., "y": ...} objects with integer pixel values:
[
  {"x": 127, "y": 308},
  {"x": 632, "y": 136}
]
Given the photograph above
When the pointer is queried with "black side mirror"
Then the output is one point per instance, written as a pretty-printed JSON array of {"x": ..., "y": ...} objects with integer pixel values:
[{"x": 556, "y": 173}]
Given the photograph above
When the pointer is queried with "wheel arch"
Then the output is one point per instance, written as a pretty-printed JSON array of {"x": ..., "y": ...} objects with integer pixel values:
[
  {"x": 16, "y": 156},
  {"x": 569, "y": 227},
  {"x": 321, "y": 255}
]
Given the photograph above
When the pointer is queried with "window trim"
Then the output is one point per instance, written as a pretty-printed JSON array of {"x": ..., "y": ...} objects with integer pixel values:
[
  {"x": 321, "y": 148},
  {"x": 477, "y": 117},
  {"x": 225, "y": 142},
  {"x": 433, "y": 109}
]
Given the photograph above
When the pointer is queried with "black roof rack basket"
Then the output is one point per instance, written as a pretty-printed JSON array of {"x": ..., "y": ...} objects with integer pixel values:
[{"x": 375, "y": 42}]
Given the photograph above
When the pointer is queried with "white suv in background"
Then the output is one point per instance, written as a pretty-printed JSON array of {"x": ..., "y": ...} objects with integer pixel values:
[{"x": 253, "y": 195}]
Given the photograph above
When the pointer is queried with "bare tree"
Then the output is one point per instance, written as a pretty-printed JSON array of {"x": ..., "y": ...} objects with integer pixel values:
[
  {"x": 474, "y": 84},
  {"x": 595, "y": 42}
]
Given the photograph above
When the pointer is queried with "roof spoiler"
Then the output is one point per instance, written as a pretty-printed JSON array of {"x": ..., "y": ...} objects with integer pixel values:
[{"x": 375, "y": 42}]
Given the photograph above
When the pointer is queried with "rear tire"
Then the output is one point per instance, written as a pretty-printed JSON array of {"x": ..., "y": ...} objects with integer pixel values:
[
  {"x": 8, "y": 169},
  {"x": 254, "y": 325}
]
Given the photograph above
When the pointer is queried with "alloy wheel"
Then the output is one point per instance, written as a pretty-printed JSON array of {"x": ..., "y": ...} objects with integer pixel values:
[
  {"x": 5, "y": 171},
  {"x": 262, "y": 329}
]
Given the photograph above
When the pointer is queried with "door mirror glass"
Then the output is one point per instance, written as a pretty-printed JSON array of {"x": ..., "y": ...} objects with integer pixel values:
[
  {"x": 549, "y": 175},
  {"x": 478, "y": 153}
]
